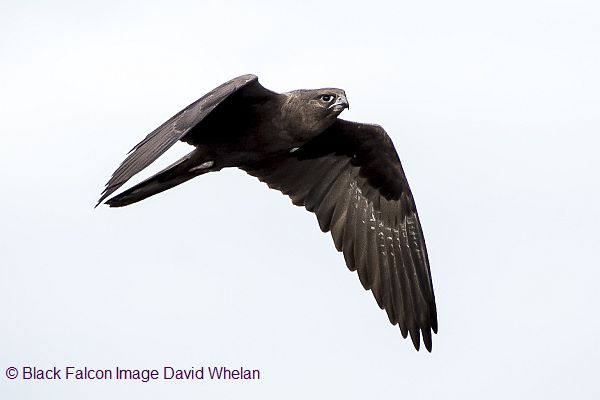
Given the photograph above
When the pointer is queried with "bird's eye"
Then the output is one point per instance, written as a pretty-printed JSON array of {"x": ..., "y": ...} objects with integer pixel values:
[{"x": 326, "y": 98}]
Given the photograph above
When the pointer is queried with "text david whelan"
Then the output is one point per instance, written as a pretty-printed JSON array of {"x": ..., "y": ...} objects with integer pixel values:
[{"x": 142, "y": 375}]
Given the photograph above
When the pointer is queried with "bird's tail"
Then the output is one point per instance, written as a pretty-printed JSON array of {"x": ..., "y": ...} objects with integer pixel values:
[{"x": 181, "y": 171}]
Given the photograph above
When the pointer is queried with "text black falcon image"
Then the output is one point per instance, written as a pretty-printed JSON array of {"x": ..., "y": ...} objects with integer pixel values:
[{"x": 347, "y": 173}]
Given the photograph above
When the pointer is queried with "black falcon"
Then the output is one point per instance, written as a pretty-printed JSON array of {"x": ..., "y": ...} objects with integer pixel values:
[{"x": 347, "y": 173}]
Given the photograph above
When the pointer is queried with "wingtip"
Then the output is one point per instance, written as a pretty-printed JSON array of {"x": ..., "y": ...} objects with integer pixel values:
[
  {"x": 108, "y": 190},
  {"x": 416, "y": 339},
  {"x": 101, "y": 199},
  {"x": 427, "y": 339}
]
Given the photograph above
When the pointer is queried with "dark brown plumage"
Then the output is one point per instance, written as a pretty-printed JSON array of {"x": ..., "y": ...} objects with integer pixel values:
[{"x": 347, "y": 173}]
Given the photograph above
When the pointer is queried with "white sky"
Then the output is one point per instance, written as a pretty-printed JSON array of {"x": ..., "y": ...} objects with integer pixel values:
[{"x": 494, "y": 110}]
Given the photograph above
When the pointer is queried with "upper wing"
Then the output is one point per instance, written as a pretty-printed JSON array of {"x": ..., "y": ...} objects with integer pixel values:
[
  {"x": 350, "y": 176},
  {"x": 166, "y": 135}
]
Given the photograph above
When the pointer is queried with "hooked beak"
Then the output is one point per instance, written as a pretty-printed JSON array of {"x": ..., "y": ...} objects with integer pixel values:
[{"x": 341, "y": 103}]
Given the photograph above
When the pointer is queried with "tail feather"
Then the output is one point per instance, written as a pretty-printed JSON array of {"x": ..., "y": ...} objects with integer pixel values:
[{"x": 181, "y": 171}]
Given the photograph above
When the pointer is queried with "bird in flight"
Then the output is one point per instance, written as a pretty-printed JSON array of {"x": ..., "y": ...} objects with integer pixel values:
[{"x": 347, "y": 173}]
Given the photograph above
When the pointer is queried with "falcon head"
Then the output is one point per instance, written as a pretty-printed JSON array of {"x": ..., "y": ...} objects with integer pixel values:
[
  {"x": 331, "y": 101},
  {"x": 313, "y": 111}
]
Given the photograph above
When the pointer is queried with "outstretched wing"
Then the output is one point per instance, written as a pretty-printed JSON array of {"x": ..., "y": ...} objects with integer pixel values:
[
  {"x": 166, "y": 135},
  {"x": 350, "y": 176}
]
